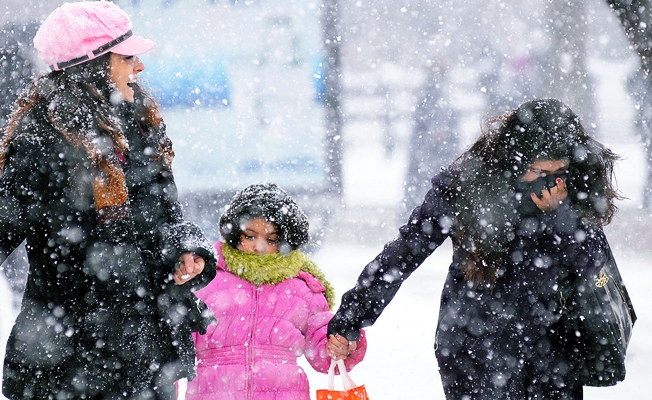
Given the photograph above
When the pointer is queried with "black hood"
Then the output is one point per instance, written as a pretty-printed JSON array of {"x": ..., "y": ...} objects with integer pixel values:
[{"x": 271, "y": 203}]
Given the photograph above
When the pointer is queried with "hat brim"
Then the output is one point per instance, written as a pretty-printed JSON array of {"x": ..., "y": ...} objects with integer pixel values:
[{"x": 133, "y": 46}]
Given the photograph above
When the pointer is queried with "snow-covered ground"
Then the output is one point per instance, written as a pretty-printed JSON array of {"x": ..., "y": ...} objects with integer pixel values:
[{"x": 400, "y": 362}]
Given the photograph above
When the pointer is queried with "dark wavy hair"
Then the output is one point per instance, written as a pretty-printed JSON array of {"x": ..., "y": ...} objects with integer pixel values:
[
  {"x": 271, "y": 203},
  {"x": 487, "y": 201},
  {"x": 78, "y": 102}
]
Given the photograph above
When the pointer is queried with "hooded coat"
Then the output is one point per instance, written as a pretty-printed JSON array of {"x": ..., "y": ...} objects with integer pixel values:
[
  {"x": 493, "y": 341},
  {"x": 251, "y": 354},
  {"x": 101, "y": 314}
]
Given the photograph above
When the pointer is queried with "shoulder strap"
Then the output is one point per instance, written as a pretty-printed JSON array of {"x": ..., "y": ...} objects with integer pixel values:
[{"x": 611, "y": 269}]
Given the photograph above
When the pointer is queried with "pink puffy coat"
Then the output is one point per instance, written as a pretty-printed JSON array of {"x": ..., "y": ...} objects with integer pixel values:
[{"x": 251, "y": 354}]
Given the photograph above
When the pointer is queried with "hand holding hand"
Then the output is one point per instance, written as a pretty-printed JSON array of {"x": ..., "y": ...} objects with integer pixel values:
[
  {"x": 339, "y": 348},
  {"x": 552, "y": 198},
  {"x": 189, "y": 266}
]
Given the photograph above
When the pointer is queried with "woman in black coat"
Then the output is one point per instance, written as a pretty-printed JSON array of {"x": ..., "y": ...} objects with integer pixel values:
[
  {"x": 86, "y": 179},
  {"x": 524, "y": 208}
]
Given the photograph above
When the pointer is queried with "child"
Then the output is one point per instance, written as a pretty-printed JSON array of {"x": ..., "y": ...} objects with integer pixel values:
[{"x": 271, "y": 302}]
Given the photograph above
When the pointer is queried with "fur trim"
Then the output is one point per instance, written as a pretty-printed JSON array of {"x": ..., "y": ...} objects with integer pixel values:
[
  {"x": 270, "y": 269},
  {"x": 110, "y": 192}
]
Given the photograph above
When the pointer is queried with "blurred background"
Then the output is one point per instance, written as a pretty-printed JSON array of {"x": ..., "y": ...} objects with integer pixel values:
[
  {"x": 356, "y": 104},
  {"x": 352, "y": 106}
]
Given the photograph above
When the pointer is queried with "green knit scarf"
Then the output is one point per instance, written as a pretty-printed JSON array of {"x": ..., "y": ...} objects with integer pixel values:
[{"x": 270, "y": 269}]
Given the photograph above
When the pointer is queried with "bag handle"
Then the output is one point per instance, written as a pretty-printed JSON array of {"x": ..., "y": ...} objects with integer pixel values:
[{"x": 347, "y": 382}]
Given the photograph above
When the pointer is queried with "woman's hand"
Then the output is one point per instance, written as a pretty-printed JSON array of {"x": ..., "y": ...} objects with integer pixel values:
[
  {"x": 339, "y": 348},
  {"x": 551, "y": 199},
  {"x": 189, "y": 266}
]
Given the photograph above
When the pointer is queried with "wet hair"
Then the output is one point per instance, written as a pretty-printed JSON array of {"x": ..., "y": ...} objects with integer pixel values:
[
  {"x": 78, "y": 104},
  {"x": 274, "y": 205},
  {"x": 488, "y": 211}
]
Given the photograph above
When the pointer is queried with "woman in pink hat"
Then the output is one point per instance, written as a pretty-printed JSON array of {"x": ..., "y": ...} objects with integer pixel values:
[{"x": 86, "y": 181}]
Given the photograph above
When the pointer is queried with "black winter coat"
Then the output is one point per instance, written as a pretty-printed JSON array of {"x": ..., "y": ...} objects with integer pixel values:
[
  {"x": 101, "y": 315},
  {"x": 492, "y": 342}
]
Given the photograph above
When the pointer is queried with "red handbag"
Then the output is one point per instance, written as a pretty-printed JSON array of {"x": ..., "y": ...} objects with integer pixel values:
[{"x": 351, "y": 390}]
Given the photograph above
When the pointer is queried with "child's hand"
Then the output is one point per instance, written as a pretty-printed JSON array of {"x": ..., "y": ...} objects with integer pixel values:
[
  {"x": 339, "y": 348},
  {"x": 189, "y": 266}
]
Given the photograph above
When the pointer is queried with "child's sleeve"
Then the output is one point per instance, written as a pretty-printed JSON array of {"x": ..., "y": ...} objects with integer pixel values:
[
  {"x": 317, "y": 339},
  {"x": 358, "y": 355}
]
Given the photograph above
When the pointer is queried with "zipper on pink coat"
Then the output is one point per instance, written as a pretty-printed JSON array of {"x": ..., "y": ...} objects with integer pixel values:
[{"x": 250, "y": 350}]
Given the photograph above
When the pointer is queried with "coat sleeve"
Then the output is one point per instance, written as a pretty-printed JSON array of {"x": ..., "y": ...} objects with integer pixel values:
[
  {"x": 34, "y": 184},
  {"x": 427, "y": 228},
  {"x": 317, "y": 338},
  {"x": 13, "y": 186},
  {"x": 158, "y": 206},
  {"x": 182, "y": 237}
]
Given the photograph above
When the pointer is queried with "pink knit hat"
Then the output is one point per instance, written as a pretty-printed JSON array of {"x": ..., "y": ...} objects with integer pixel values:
[{"x": 78, "y": 32}]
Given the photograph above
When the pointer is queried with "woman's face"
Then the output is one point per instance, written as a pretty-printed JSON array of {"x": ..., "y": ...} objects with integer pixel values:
[
  {"x": 259, "y": 236},
  {"x": 123, "y": 70},
  {"x": 543, "y": 168},
  {"x": 545, "y": 184}
]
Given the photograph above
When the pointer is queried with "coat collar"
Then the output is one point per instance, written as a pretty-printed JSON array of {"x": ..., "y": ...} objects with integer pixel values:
[{"x": 271, "y": 269}]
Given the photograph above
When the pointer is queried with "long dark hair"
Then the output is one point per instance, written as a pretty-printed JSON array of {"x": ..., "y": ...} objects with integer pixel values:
[
  {"x": 488, "y": 203},
  {"x": 79, "y": 105}
]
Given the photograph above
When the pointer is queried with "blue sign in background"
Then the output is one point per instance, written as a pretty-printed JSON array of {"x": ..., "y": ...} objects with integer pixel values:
[
  {"x": 241, "y": 88},
  {"x": 191, "y": 83}
]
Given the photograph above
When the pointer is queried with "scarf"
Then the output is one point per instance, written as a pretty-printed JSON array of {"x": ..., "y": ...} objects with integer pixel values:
[{"x": 270, "y": 269}]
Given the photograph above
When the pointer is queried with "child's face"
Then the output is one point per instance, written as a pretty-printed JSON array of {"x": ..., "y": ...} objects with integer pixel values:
[{"x": 259, "y": 237}]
